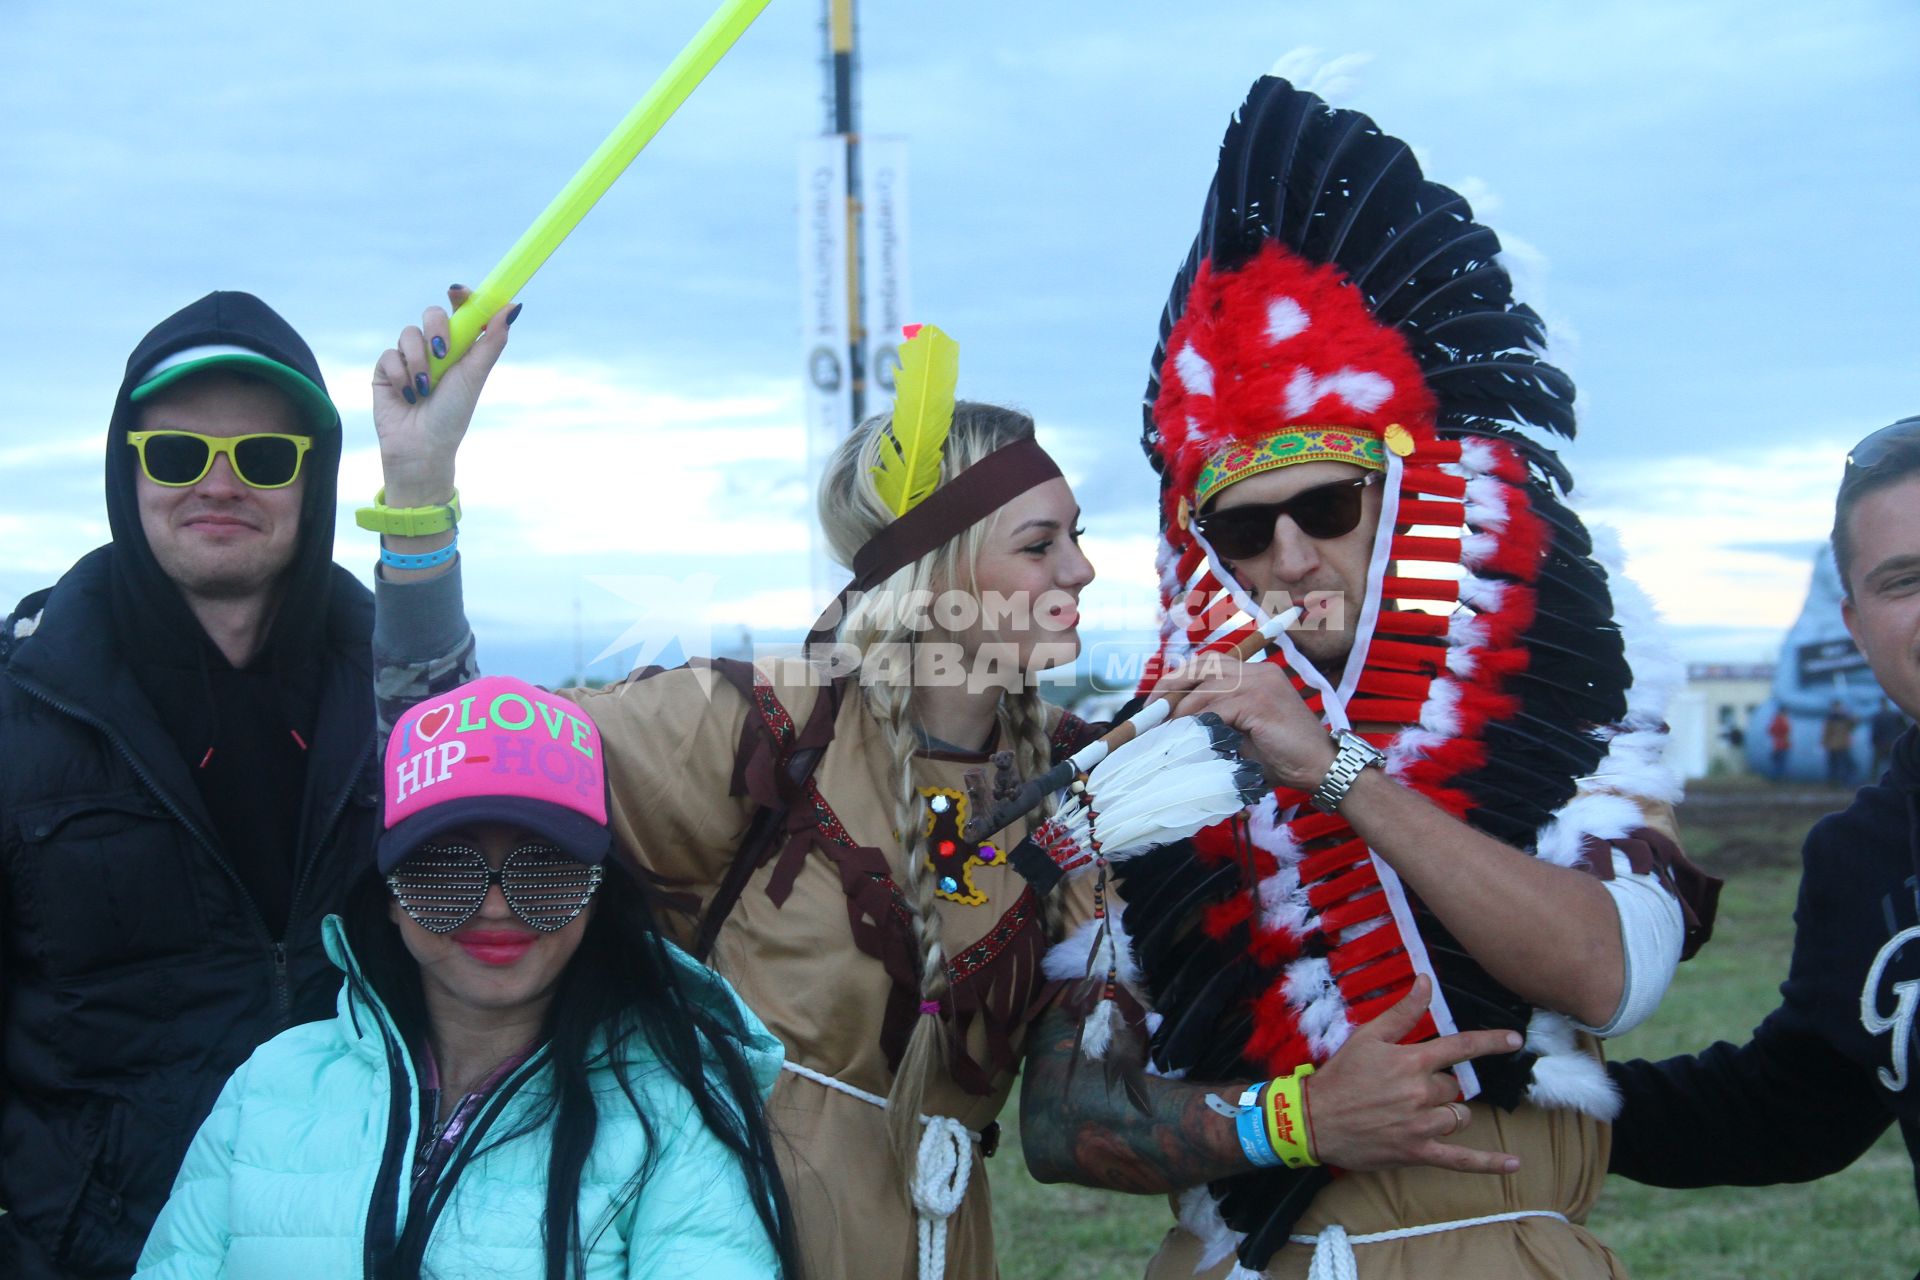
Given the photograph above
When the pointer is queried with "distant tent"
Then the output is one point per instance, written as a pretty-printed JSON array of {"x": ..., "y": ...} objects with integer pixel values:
[{"x": 1818, "y": 666}]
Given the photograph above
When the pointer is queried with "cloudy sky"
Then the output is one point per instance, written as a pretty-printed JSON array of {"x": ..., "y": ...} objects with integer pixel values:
[{"x": 1715, "y": 206}]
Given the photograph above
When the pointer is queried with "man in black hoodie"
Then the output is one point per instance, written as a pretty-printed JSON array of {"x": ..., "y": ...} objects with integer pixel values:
[
  {"x": 1837, "y": 1062},
  {"x": 186, "y": 742}
]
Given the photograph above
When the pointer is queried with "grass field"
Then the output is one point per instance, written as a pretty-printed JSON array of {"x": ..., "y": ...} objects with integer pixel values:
[{"x": 1859, "y": 1225}]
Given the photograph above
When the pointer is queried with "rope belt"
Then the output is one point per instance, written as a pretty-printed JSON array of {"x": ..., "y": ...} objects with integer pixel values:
[
  {"x": 941, "y": 1169},
  {"x": 1333, "y": 1247}
]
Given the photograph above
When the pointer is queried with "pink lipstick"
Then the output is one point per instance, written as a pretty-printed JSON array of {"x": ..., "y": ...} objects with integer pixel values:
[{"x": 495, "y": 947}]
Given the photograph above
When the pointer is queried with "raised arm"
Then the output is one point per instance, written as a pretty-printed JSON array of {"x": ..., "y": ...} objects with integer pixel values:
[{"x": 421, "y": 642}]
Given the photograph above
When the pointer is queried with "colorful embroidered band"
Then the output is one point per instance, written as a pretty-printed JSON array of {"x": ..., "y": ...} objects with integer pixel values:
[
  {"x": 944, "y": 515},
  {"x": 1285, "y": 448}
]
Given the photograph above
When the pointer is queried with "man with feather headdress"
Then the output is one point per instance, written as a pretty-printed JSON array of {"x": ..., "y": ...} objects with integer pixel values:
[{"x": 1469, "y": 835}]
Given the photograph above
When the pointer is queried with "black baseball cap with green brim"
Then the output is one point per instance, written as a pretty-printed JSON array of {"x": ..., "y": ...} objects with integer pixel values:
[{"x": 308, "y": 399}]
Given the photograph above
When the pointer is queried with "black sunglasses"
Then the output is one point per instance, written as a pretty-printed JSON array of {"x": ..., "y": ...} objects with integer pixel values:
[
  {"x": 1873, "y": 451},
  {"x": 442, "y": 886},
  {"x": 1324, "y": 511},
  {"x": 263, "y": 460}
]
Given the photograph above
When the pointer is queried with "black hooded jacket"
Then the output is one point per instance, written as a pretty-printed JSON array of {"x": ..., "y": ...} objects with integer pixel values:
[
  {"x": 1837, "y": 1062},
  {"x": 172, "y": 830}
]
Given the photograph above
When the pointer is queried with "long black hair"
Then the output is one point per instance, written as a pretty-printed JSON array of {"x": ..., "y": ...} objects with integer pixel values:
[{"x": 619, "y": 994}]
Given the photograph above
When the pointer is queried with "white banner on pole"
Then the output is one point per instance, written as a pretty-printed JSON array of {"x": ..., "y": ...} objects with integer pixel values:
[
  {"x": 883, "y": 248},
  {"x": 825, "y": 326}
]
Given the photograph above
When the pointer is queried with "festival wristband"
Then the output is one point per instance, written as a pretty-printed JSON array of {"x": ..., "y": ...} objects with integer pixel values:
[
  {"x": 429, "y": 560},
  {"x": 1250, "y": 1126},
  {"x": 408, "y": 522},
  {"x": 1283, "y": 1105}
]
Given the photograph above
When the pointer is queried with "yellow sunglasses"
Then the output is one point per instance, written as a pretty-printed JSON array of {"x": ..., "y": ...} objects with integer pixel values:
[{"x": 176, "y": 459}]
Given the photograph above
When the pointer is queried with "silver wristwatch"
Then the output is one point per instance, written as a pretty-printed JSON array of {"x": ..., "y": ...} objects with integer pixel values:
[{"x": 1355, "y": 754}]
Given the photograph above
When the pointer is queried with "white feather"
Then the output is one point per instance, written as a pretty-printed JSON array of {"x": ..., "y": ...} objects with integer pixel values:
[
  {"x": 1085, "y": 953},
  {"x": 1097, "y": 1036},
  {"x": 1285, "y": 319},
  {"x": 1269, "y": 832},
  {"x": 1487, "y": 504},
  {"x": 1164, "y": 785},
  {"x": 1564, "y": 1076},
  {"x": 1600, "y": 814},
  {"x": 1334, "y": 79},
  {"x": 1283, "y": 903},
  {"x": 1476, "y": 457},
  {"x": 1196, "y": 375},
  {"x": 1464, "y": 631},
  {"x": 1441, "y": 713},
  {"x": 1481, "y": 594},
  {"x": 1201, "y": 1218},
  {"x": 1309, "y": 988}
]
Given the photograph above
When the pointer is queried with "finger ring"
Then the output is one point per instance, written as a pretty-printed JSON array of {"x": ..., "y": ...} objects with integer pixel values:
[{"x": 1462, "y": 1117}]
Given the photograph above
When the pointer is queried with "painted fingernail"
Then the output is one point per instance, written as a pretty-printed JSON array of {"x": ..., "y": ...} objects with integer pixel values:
[
  {"x": 452, "y": 287},
  {"x": 440, "y": 347},
  {"x": 514, "y": 314},
  {"x": 407, "y": 391},
  {"x": 422, "y": 384}
]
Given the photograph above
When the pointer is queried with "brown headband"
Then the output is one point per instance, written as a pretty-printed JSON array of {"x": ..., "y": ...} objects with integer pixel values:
[{"x": 944, "y": 515}]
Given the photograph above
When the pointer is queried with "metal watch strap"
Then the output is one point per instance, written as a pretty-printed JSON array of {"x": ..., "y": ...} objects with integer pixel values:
[{"x": 1355, "y": 754}]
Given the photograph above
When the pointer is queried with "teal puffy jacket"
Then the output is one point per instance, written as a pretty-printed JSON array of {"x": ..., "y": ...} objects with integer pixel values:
[{"x": 280, "y": 1183}]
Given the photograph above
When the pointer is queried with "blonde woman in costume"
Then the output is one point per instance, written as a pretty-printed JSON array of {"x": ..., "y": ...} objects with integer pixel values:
[{"x": 898, "y": 964}]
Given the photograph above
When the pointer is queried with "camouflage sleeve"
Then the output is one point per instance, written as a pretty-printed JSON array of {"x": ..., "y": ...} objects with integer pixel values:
[{"x": 422, "y": 644}]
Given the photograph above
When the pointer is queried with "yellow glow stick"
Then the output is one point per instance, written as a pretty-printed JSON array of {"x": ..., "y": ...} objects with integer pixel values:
[{"x": 600, "y": 171}]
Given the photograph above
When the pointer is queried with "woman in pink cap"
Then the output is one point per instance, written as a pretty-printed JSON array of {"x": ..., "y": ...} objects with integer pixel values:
[{"x": 525, "y": 1079}]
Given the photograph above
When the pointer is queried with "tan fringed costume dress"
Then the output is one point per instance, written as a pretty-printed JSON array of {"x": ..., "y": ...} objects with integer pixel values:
[{"x": 818, "y": 942}]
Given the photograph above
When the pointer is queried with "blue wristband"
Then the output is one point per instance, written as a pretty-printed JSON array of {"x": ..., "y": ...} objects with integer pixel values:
[
  {"x": 427, "y": 560},
  {"x": 1250, "y": 1126}
]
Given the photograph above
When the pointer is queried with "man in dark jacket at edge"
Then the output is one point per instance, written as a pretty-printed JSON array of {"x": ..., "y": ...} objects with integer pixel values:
[
  {"x": 1835, "y": 1064},
  {"x": 186, "y": 739}
]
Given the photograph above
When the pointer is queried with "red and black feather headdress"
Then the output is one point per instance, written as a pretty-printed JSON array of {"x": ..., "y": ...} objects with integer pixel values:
[{"x": 1332, "y": 286}]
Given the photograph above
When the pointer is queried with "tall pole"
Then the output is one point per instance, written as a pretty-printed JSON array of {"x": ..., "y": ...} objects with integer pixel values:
[{"x": 844, "y": 120}]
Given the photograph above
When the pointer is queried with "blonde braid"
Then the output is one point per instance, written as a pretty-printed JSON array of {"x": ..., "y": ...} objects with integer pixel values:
[
  {"x": 1023, "y": 728},
  {"x": 891, "y": 705}
]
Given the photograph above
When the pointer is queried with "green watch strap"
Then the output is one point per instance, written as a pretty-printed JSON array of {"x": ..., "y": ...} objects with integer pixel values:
[{"x": 408, "y": 522}]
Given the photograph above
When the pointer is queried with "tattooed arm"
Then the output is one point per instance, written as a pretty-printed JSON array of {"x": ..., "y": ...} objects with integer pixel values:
[
  {"x": 1377, "y": 1104},
  {"x": 1078, "y": 1126}
]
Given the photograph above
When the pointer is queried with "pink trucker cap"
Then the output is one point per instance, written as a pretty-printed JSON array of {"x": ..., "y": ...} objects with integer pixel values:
[{"x": 495, "y": 750}]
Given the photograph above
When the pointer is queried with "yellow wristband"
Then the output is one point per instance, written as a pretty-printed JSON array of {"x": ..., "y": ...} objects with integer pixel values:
[
  {"x": 1285, "y": 1105},
  {"x": 408, "y": 522}
]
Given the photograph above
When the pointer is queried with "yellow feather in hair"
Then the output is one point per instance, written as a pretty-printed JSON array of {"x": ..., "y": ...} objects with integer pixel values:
[{"x": 908, "y": 468}]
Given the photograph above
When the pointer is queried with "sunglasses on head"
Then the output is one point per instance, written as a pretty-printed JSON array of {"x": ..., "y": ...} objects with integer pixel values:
[
  {"x": 176, "y": 459},
  {"x": 442, "y": 886},
  {"x": 1873, "y": 451},
  {"x": 1324, "y": 511}
]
